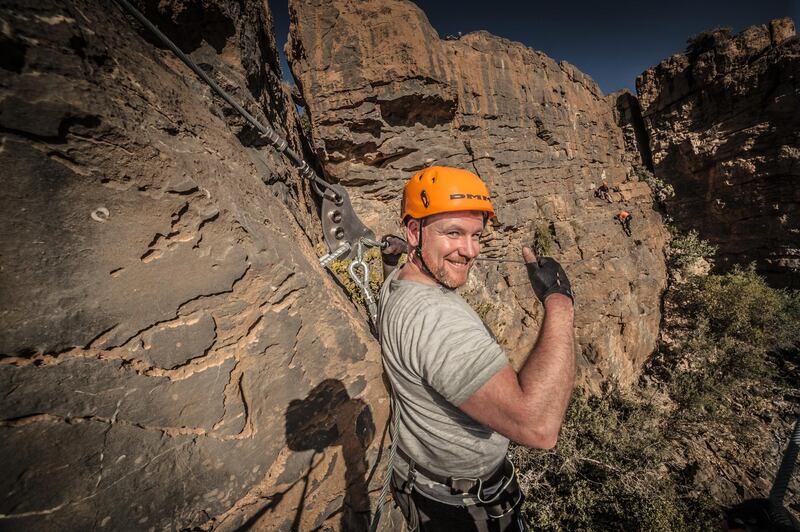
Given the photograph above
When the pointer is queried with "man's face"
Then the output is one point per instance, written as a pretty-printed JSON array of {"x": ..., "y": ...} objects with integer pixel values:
[{"x": 450, "y": 244}]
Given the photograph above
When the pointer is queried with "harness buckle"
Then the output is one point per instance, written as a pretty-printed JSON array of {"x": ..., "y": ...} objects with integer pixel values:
[{"x": 460, "y": 485}]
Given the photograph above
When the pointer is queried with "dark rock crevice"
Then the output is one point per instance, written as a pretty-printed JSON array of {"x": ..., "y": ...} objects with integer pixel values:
[{"x": 430, "y": 111}]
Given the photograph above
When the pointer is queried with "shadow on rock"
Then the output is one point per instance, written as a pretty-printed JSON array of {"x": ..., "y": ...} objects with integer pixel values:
[{"x": 329, "y": 417}]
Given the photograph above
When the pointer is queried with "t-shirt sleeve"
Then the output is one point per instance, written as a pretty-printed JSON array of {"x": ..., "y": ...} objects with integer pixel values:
[{"x": 458, "y": 355}]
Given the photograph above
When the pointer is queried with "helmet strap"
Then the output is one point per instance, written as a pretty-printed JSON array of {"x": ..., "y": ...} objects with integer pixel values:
[{"x": 418, "y": 253}]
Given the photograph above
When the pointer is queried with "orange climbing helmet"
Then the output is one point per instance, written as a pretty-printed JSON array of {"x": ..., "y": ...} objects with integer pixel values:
[{"x": 438, "y": 189}]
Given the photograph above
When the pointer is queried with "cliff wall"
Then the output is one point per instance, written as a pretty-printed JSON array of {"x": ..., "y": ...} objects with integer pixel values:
[
  {"x": 173, "y": 356},
  {"x": 725, "y": 132},
  {"x": 386, "y": 97}
]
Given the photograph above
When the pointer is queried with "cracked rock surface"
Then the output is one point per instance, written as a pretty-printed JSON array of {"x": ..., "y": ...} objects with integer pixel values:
[
  {"x": 387, "y": 98},
  {"x": 725, "y": 132},
  {"x": 173, "y": 357}
]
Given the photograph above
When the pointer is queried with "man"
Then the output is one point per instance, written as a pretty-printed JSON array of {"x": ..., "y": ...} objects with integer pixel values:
[
  {"x": 457, "y": 399},
  {"x": 603, "y": 192},
  {"x": 625, "y": 218}
]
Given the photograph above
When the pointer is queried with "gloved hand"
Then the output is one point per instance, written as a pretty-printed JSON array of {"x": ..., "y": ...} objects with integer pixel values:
[
  {"x": 391, "y": 248},
  {"x": 546, "y": 275}
]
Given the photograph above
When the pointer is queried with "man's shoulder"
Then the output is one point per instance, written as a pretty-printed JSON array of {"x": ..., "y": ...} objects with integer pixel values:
[
  {"x": 413, "y": 299},
  {"x": 427, "y": 310}
]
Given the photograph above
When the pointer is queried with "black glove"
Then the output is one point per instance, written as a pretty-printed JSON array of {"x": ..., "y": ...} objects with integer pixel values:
[
  {"x": 391, "y": 248},
  {"x": 548, "y": 277}
]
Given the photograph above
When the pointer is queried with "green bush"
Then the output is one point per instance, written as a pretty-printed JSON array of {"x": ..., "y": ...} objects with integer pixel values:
[
  {"x": 305, "y": 124},
  {"x": 543, "y": 244},
  {"x": 686, "y": 249},
  {"x": 615, "y": 465},
  {"x": 733, "y": 324},
  {"x": 483, "y": 309},
  {"x": 661, "y": 191},
  {"x": 607, "y": 472},
  {"x": 741, "y": 306}
]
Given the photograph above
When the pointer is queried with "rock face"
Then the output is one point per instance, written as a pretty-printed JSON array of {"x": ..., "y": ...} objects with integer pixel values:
[
  {"x": 387, "y": 97},
  {"x": 725, "y": 132},
  {"x": 173, "y": 356}
]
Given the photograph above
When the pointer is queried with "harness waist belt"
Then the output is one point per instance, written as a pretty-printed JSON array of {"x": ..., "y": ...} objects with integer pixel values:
[{"x": 457, "y": 483}]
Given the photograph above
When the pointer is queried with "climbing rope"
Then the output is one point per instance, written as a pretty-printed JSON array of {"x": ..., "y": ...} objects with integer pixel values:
[
  {"x": 342, "y": 250},
  {"x": 785, "y": 472},
  {"x": 387, "y": 480}
]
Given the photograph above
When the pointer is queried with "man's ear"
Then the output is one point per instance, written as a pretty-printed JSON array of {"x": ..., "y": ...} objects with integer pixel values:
[{"x": 412, "y": 232}]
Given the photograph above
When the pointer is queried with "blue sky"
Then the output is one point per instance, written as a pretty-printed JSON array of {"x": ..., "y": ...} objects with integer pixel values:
[{"x": 613, "y": 42}]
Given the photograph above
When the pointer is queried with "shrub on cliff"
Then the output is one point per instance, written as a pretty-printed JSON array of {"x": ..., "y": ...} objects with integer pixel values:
[
  {"x": 543, "y": 244},
  {"x": 707, "y": 40},
  {"x": 608, "y": 472},
  {"x": 741, "y": 306},
  {"x": 624, "y": 460},
  {"x": 685, "y": 250},
  {"x": 732, "y": 324},
  {"x": 661, "y": 191},
  {"x": 305, "y": 124}
]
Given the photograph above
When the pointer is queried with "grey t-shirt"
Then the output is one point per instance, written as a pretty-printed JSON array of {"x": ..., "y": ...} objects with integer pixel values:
[{"x": 437, "y": 352}]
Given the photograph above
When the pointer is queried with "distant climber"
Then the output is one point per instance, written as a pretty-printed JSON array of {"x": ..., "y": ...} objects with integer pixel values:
[
  {"x": 602, "y": 192},
  {"x": 624, "y": 218},
  {"x": 457, "y": 399}
]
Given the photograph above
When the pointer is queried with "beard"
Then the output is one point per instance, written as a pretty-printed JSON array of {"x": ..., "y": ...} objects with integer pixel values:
[{"x": 446, "y": 278}]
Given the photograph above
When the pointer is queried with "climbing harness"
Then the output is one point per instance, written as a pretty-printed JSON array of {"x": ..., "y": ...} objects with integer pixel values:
[{"x": 481, "y": 502}]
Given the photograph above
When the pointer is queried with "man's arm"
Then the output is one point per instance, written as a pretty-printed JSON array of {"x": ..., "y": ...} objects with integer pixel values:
[
  {"x": 392, "y": 247},
  {"x": 528, "y": 407}
]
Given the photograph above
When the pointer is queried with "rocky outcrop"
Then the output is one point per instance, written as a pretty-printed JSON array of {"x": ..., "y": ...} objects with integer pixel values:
[
  {"x": 387, "y": 97},
  {"x": 725, "y": 132},
  {"x": 173, "y": 356}
]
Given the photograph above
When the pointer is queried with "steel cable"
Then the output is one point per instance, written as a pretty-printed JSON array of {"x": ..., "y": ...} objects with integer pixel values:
[
  {"x": 267, "y": 132},
  {"x": 783, "y": 477}
]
